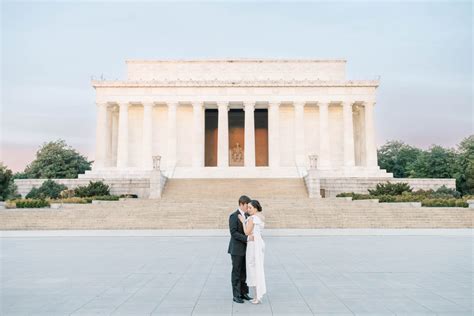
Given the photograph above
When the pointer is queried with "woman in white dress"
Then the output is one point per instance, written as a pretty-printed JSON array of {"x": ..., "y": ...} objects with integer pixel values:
[{"x": 254, "y": 256}]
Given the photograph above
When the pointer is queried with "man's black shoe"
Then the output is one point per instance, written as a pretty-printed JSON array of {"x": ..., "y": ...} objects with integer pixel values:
[
  {"x": 245, "y": 297},
  {"x": 238, "y": 300}
]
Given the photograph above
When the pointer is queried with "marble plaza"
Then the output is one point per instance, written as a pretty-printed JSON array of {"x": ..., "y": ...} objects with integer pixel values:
[{"x": 392, "y": 273}]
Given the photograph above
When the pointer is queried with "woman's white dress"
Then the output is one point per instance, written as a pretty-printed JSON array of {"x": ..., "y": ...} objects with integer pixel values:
[{"x": 255, "y": 258}]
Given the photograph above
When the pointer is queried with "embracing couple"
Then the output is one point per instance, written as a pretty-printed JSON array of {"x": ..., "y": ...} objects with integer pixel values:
[{"x": 247, "y": 248}]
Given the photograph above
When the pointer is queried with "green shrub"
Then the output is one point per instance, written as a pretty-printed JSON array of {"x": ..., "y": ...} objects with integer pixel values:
[
  {"x": 444, "y": 191},
  {"x": 31, "y": 203},
  {"x": 422, "y": 193},
  {"x": 345, "y": 194},
  {"x": 56, "y": 160},
  {"x": 409, "y": 197},
  {"x": 442, "y": 197},
  {"x": 33, "y": 194},
  {"x": 440, "y": 193},
  {"x": 356, "y": 196},
  {"x": 8, "y": 189},
  {"x": 444, "y": 203},
  {"x": 129, "y": 196},
  {"x": 390, "y": 189},
  {"x": 386, "y": 198},
  {"x": 72, "y": 200},
  {"x": 49, "y": 189},
  {"x": 106, "y": 198},
  {"x": 97, "y": 188},
  {"x": 89, "y": 199}
]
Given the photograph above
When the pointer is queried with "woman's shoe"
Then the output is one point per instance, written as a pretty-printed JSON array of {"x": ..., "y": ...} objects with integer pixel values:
[{"x": 255, "y": 301}]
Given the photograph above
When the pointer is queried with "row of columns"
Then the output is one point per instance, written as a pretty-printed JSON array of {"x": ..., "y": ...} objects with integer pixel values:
[{"x": 103, "y": 147}]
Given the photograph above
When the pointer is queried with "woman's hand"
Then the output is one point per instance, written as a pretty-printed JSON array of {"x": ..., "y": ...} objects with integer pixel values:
[{"x": 241, "y": 218}]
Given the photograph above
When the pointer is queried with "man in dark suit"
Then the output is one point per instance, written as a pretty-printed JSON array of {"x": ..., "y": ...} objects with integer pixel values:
[{"x": 237, "y": 250}]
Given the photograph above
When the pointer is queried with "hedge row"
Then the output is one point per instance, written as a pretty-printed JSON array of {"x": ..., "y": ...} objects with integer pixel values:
[
  {"x": 425, "y": 201},
  {"x": 27, "y": 203},
  {"x": 39, "y": 203},
  {"x": 402, "y": 192},
  {"x": 52, "y": 190},
  {"x": 89, "y": 199}
]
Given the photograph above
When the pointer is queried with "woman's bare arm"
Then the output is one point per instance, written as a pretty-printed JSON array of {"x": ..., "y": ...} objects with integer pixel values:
[{"x": 248, "y": 228}]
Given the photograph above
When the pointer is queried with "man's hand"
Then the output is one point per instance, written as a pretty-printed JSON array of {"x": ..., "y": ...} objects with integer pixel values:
[{"x": 251, "y": 238}]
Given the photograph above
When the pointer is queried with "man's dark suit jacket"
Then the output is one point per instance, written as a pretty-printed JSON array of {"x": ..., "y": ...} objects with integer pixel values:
[{"x": 238, "y": 239}]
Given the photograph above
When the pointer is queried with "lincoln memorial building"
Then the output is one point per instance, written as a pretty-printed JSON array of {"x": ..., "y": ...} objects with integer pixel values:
[
  {"x": 236, "y": 118},
  {"x": 189, "y": 122}
]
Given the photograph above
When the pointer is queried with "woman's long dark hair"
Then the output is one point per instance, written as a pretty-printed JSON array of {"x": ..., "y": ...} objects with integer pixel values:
[{"x": 257, "y": 205}]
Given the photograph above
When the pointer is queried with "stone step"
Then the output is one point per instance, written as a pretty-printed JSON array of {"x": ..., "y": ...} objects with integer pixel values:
[
  {"x": 233, "y": 188},
  {"x": 185, "y": 204}
]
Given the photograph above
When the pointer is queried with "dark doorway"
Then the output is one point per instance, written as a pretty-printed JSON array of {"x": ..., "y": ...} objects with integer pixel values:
[
  {"x": 211, "y": 119},
  {"x": 261, "y": 137},
  {"x": 236, "y": 137}
]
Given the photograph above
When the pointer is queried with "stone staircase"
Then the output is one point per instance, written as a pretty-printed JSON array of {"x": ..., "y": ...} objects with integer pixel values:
[{"x": 207, "y": 203}]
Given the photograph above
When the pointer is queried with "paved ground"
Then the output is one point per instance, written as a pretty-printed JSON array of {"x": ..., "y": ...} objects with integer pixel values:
[{"x": 321, "y": 275}]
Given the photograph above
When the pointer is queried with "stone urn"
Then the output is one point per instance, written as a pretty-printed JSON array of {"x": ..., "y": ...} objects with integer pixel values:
[
  {"x": 313, "y": 161},
  {"x": 156, "y": 162}
]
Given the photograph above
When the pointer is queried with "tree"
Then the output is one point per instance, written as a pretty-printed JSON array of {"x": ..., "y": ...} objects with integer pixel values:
[
  {"x": 465, "y": 166},
  {"x": 56, "y": 160},
  {"x": 396, "y": 157},
  {"x": 7, "y": 186},
  {"x": 49, "y": 189},
  {"x": 436, "y": 162}
]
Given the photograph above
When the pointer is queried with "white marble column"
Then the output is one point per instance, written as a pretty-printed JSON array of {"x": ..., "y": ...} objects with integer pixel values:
[
  {"x": 122, "y": 144},
  {"x": 198, "y": 134},
  {"x": 370, "y": 146},
  {"x": 108, "y": 137},
  {"x": 101, "y": 136},
  {"x": 147, "y": 137},
  {"x": 349, "y": 154},
  {"x": 249, "y": 142},
  {"x": 114, "y": 138},
  {"x": 299, "y": 133},
  {"x": 324, "y": 151},
  {"x": 274, "y": 134},
  {"x": 223, "y": 135},
  {"x": 172, "y": 135}
]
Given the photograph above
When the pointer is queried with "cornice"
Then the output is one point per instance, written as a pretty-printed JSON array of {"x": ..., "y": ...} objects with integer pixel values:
[
  {"x": 214, "y": 83},
  {"x": 233, "y": 60}
]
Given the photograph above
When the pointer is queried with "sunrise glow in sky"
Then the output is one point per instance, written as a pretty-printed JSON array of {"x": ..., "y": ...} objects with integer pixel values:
[{"x": 421, "y": 51}]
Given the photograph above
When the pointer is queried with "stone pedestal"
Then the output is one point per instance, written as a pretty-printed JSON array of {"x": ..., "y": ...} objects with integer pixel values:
[
  {"x": 157, "y": 183},
  {"x": 313, "y": 184}
]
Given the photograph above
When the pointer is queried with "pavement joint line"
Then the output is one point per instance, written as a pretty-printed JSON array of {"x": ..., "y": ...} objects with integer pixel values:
[
  {"x": 205, "y": 282},
  {"x": 294, "y": 284},
  {"x": 173, "y": 286},
  {"x": 322, "y": 281},
  {"x": 132, "y": 295},
  {"x": 225, "y": 232}
]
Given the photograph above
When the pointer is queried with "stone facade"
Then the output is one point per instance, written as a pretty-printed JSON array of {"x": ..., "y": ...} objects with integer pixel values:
[
  {"x": 236, "y": 119},
  {"x": 309, "y": 106},
  {"x": 139, "y": 186}
]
